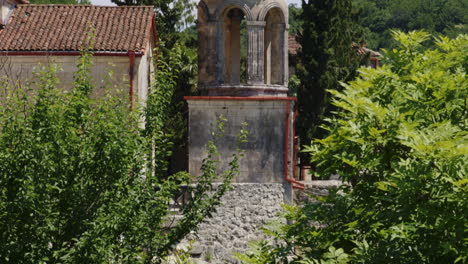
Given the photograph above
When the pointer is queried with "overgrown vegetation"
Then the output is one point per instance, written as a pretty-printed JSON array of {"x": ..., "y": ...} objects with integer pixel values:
[
  {"x": 400, "y": 140},
  {"x": 380, "y": 17},
  {"x": 178, "y": 46},
  {"x": 80, "y": 182},
  {"x": 171, "y": 16}
]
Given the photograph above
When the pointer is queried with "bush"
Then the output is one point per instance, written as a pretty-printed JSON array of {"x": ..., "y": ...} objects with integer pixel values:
[
  {"x": 399, "y": 139},
  {"x": 75, "y": 184}
]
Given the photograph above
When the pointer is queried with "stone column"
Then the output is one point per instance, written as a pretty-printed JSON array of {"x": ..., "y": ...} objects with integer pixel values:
[
  {"x": 255, "y": 61},
  {"x": 286, "y": 55},
  {"x": 207, "y": 54}
]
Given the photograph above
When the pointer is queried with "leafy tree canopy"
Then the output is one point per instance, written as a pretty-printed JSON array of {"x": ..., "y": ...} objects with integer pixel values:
[
  {"x": 329, "y": 29},
  {"x": 174, "y": 23},
  {"x": 379, "y": 17},
  {"x": 400, "y": 140},
  {"x": 80, "y": 182},
  {"x": 171, "y": 16},
  {"x": 295, "y": 22}
]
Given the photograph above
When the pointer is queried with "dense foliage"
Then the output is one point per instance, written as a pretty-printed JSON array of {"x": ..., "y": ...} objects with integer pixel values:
[
  {"x": 171, "y": 16},
  {"x": 295, "y": 22},
  {"x": 400, "y": 140},
  {"x": 380, "y": 17},
  {"x": 176, "y": 31},
  {"x": 329, "y": 29},
  {"x": 80, "y": 182},
  {"x": 182, "y": 59}
]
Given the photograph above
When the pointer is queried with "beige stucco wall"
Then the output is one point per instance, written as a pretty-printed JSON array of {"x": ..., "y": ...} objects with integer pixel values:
[
  {"x": 144, "y": 75},
  {"x": 107, "y": 71}
]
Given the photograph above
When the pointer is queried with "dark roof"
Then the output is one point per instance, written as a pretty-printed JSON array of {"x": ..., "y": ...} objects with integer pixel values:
[{"x": 65, "y": 28}]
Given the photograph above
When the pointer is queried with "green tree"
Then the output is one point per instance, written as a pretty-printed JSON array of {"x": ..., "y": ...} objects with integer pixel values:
[
  {"x": 171, "y": 16},
  {"x": 78, "y": 183},
  {"x": 400, "y": 140},
  {"x": 380, "y": 17},
  {"x": 327, "y": 57},
  {"x": 174, "y": 23},
  {"x": 295, "y": 22}
]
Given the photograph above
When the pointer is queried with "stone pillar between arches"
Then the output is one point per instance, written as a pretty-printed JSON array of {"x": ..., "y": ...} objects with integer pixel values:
[{"x": 255, "y": 62}]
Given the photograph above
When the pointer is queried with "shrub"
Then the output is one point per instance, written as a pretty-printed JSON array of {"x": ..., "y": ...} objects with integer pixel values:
[
  {"x": 399, "y": 138},
  {"x": 75, "y": 184}
]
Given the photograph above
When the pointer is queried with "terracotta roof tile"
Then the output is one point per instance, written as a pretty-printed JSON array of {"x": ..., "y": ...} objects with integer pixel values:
[
  {"x": 294, "y": 47},
  {"x": 64, "y": 28}
]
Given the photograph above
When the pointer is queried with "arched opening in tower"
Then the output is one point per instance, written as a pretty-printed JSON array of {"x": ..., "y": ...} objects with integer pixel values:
[
  {"x": 235, "y": 47},
  {"x": 274, "y": 47}
]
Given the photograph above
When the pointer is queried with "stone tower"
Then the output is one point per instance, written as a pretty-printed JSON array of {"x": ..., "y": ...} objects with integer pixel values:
[
  {"x": 220, "y": 23},
  {"x": 243, "y": 75}
]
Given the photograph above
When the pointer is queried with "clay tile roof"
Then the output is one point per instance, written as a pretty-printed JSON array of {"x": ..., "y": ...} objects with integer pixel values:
[
  {"x": 65, "y": 28},
  {"x": 293, "y": 45}
]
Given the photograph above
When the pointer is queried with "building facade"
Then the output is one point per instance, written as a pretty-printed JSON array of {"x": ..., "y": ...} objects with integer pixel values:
[{"x": 121, "y": 39}]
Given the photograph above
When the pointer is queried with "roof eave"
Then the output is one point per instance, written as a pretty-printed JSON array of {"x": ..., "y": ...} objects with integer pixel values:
[
  {"x": 151, "y": 31},
  {"x": 70, "y": 53}
]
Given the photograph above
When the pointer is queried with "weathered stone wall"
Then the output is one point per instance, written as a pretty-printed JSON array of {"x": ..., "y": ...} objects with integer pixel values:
[
  {"x": 244, "y": 211},
  {"x": 264, "y": 151}
]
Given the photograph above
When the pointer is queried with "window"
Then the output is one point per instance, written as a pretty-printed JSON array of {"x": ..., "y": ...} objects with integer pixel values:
[
  {"x": 274, "y": 47},
  {"x": 235, "y": 47}
]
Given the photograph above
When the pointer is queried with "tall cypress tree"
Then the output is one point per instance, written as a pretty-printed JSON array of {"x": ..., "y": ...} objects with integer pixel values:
[{"x": 327, "y": 57}]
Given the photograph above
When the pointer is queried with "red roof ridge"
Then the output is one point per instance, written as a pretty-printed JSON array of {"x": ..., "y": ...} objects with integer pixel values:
[
  {"x": 65, "y": 5},
  {"x": 42, "y": 28}
]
